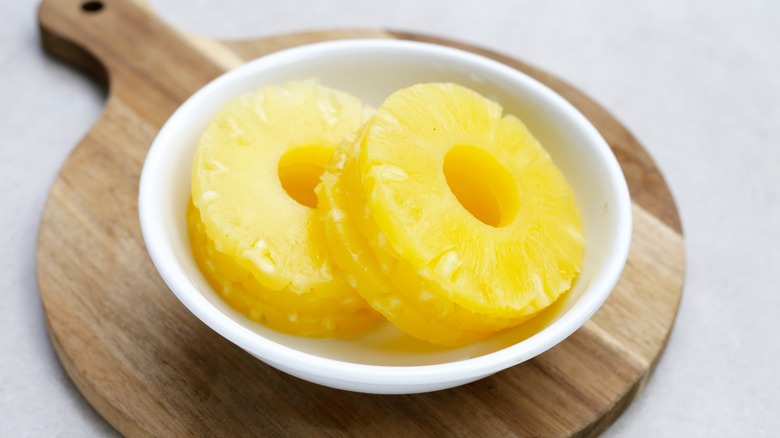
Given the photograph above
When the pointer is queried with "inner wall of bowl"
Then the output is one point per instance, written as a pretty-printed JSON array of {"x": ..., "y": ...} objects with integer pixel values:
[{"x": 372, "y": 75}]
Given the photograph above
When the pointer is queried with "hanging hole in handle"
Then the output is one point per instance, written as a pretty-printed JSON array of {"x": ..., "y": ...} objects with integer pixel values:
[{"x": 92, "y": 6}]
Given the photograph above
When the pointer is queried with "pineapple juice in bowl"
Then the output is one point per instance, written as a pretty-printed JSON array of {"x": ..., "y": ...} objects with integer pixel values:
[{"x": 385, "y": 360}]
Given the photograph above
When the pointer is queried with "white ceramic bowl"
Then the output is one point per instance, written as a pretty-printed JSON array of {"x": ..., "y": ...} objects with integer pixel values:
[{"x": 387, "y": 361}]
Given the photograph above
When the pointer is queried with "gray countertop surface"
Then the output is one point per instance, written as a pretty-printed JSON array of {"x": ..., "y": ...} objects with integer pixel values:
[{"x": 697, "y": 82}]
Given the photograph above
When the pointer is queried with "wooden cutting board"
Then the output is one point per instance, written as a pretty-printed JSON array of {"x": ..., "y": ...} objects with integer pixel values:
[{"x": 152, "y": 369}]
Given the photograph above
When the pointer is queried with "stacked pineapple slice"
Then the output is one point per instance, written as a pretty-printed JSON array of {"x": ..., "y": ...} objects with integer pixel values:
[
  {"x": 441, "y": 213},
  {"x": 253, "y": 226}
]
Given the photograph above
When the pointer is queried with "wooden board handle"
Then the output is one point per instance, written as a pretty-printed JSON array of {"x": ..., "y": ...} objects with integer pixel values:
[
  {"x": 59, "y": 39},
  {"x": 137, "y": 56},
  {"x": 84, "y": 32}
]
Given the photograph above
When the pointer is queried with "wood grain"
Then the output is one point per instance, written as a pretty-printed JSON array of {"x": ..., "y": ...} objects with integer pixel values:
[{"x": 152, "y": 369}]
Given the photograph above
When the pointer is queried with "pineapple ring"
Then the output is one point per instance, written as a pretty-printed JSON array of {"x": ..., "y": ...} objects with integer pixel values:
[
  {"x": 454, "y": 203},
  {"x": 424, "y": 315},
  {"x": 253, "y": 177}
]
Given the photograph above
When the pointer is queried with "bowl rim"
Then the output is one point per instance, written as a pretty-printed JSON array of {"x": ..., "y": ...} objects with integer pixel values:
[{"x": 288, "y": 358}]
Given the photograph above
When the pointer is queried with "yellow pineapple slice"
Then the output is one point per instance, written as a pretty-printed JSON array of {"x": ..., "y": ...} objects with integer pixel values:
[
  {"x": 457, "y": 211},
  {"x": 253, "y": 180},
  {"x": 418, "y": 312}
]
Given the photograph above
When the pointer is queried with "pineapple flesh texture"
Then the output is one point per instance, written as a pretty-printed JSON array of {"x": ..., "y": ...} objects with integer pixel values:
[
  {"x": 253, "y": 177},
  {"x": 283, "y": 311},
  {"x": 458, "y": 210}
]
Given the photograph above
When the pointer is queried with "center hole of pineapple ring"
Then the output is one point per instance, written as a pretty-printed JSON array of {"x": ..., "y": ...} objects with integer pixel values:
[
  {"x": 482, "y": 185},
  {"x": 300, "y": 170}
]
